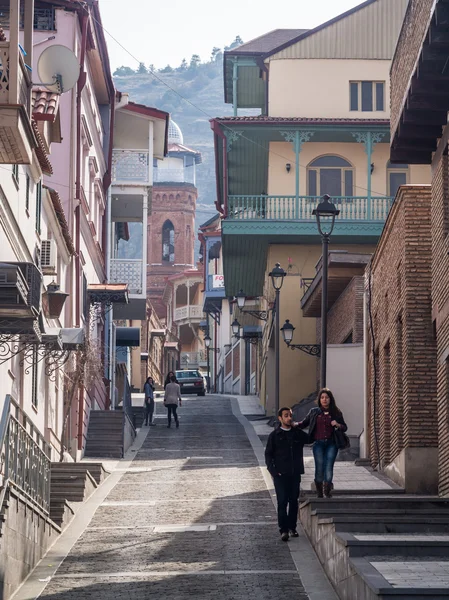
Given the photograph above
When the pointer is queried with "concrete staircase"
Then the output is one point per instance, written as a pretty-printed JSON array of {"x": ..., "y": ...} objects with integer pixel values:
[
  {"x": 68, "y": 485},
  {"x": 105, "y": 434},
  {"x": 379, "y": 547}
]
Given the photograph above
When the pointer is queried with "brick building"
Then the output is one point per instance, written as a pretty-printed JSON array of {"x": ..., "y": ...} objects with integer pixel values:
[
  {"x": 171, "y": 222},
  {"x": 401, "y": 347},
  {"x": 419, "y": 135}
]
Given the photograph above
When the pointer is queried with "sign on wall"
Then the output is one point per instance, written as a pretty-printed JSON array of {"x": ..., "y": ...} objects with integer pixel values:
[{"x": 217, "y": 281}]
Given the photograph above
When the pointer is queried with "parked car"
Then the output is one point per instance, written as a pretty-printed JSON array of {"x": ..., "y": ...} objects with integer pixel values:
[{"x": 191, "y": 382}]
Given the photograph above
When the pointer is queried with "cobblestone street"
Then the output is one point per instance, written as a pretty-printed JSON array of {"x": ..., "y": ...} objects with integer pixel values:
[{"x": 191, "y": 517}]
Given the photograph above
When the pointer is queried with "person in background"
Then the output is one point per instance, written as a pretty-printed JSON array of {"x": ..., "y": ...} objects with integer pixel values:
[
  {"x": 148, "y": 390},
  {"x": 168, "y": 378},
  {"x": 172, "y": 399},
  {"x": 322, "y": 422},
  {"x": 285, "y": 463}
]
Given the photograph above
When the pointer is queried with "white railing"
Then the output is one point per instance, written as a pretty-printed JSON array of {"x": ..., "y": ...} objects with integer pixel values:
[
  {"x": 130, "y": 166},
  {"x": 6, "y": 72},
  {"x": 124, "y": 270},
  {"x": 182, "y": 175},
  {"x": 194, "y": 311}
]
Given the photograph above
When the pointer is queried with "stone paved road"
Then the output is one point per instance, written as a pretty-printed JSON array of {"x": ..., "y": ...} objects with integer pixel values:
[{"x": 191, "y": 518}]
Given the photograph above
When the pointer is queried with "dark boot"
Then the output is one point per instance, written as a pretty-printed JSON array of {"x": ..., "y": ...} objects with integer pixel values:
[
  {"x": 327, "y": 489},
  {"x": 319, "y": 489}
]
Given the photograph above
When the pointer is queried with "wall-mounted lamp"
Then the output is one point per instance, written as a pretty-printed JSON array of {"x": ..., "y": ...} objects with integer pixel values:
[
  {"x": 372, "y": 167},
  {"x": 288, "y": 167},
  {"x": 53, "y": 301}
]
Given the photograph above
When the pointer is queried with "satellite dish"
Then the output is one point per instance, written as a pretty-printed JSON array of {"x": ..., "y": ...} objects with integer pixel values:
[{"x": 58, "y": 69}]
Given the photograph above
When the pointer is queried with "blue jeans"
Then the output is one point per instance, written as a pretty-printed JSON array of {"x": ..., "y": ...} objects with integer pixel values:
[{"x": 324, "y": 452}]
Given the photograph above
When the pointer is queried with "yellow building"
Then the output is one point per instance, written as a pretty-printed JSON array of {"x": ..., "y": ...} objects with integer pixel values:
[{"x": 323, "y": 129}]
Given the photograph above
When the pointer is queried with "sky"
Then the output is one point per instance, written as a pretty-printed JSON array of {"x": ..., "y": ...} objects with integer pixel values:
[{"x": 162, "y": 33}]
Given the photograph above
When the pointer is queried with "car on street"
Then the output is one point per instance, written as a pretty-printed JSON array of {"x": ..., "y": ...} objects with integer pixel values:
[{"x": 191, "y": 382}]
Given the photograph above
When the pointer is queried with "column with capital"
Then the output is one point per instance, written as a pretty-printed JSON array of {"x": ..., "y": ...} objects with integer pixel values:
[
  {"x": 369, "y": 139},
  {"x": 297, "y": 138}
]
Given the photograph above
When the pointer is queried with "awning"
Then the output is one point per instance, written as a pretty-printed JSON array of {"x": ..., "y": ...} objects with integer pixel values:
[
  {"x": 127, "y": 336},
  {"x": 106, "y": 293},
  {"x": 171, "y": 345},
  {"x": 158, "y": 332}
]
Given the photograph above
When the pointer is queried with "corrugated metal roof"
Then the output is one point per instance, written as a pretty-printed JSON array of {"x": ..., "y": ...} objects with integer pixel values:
[
  {"x": 267, "y": 42},
  {"x": 369, "y": 31}
]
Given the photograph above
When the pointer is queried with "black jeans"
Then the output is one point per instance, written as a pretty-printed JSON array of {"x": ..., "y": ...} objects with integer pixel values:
[
  {"x": 287, "y": 494},
  {"x": 149, "y": 410},
  {"x": 172, "y": 408}
]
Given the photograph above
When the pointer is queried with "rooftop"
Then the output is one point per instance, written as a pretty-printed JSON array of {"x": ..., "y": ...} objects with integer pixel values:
[{"x": 267, "y": 42}]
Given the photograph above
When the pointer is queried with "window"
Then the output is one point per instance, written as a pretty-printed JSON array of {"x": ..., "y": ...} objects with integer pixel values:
[
  {"x": 85, "y": 299},
  {"x": 168, "y": 242},
  {"x": 27, "y": 192},
  {"x": 331, "y": 175},
  {"x": 367, "y": 96},
  {"x": 397, "y": 176},
  {"x": 15, "y": 174},
  {"x": 38, "y": 207}
]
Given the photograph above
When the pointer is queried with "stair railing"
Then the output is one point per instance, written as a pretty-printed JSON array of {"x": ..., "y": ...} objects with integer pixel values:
[{"x": 25, "y": 457}]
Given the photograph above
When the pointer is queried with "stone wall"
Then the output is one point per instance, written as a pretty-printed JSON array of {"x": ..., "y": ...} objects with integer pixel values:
[
  {"x": 403, "y": 407},
  {"x": 414, "y": 30},
  {"x": 26, "y": 535}
]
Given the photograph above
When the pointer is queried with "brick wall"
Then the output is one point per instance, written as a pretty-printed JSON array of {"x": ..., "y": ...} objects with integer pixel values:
[
  {"x": 346, "y": 315},
  {"x": 440, "y": 311},
  {"x": 404, "y": 344},
  {"x": 412, "y": 35}
]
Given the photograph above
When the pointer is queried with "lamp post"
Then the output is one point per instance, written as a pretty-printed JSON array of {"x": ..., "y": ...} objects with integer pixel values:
[
  {"x": 207, "y": 341},
  {"x": 325, "y": 214},
  {"x": 277, "y": 279}
]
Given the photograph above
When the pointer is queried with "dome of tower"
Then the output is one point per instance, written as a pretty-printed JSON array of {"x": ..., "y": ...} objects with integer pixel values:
[{"x": 174, "y": 133}]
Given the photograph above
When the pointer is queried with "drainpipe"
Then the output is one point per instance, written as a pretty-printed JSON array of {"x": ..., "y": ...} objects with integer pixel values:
[
  {"x": 80, "y": 86},
  {"x": 235, "y": 78},
  {"x": 218, "y": 134}
]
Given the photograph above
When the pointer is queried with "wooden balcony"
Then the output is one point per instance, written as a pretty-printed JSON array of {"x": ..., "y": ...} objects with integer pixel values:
[
  {"x": 130, "y": 167},
  {"x": 17, "y": 139},
  {"x": 193, "y": 312}
]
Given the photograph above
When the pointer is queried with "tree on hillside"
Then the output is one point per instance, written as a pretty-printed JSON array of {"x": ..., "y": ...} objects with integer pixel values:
[
  {"x": 167, "y": 69},
  {"x": 141, "y": 69},
  {"x": 194, "y": 61},
  {"x": 151, "y": 68},
  {"x": 123, "y": 72},
  {"x": 215, "y": 54},
  {"x": 237, "y": 42},
  {"x": 183, "y": 66}
]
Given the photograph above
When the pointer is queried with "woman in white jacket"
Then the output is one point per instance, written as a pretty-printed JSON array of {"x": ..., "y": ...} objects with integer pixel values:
[{"x": 172, "y": 400}]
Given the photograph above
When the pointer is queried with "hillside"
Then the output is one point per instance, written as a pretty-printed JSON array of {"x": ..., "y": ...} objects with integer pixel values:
[{"x": 203, "y": 86}]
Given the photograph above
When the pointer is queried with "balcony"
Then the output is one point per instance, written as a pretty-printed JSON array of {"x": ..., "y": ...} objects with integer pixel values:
[
  {"x": 127, "y": 271},
  {"x": 189, "y": 313},
  {"x": 185, "y": 175},
  {"x": 193, "y": 360},
  {"x": 130, "y": 167},
  {"x": 292, "y": 208},
  {"x": 17, "y": 139}
]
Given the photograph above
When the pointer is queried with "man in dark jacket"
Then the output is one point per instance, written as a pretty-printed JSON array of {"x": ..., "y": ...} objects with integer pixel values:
[{"x": 285, "y": 463}]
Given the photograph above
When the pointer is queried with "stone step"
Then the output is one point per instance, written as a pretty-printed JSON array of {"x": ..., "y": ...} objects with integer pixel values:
[
  {"x": 404, "y": 524},
  {"x": 367, "y": 501},
  {"x": 379, "y": 513},
  {"x": 411, "y": 545},
  {"x": 96, "y": 470},
  {"x": 103, "y": 453},
  {"x": 61, "y": 513}
]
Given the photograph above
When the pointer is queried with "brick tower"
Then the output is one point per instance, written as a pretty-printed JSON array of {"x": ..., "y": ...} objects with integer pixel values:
[{"x": 171, "y": 222}]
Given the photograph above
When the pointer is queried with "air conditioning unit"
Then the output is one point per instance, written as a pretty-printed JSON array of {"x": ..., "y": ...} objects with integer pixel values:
[{"x": 48, "y": 255}]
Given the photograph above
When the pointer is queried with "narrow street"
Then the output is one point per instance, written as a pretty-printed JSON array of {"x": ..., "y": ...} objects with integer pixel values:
[{"x": 190, "y": 518}]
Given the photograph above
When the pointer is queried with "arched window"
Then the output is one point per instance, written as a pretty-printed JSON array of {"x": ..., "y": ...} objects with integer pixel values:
[
  {"x": 168, "y": 242},
  {"x": 397, "y": 175},
  {"x": 331, "y": 175}
]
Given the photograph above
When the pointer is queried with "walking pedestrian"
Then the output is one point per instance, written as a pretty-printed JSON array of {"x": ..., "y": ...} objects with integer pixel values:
[
  {"x": 285, "y": 463},
  {"x": 322, "y": 422},
  {"x": 148, "y": 390},
  {"x": 168, "y": 378},
  {"x": 172, "y": 399}
]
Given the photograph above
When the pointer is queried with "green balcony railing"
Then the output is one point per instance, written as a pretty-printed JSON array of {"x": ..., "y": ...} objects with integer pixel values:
[{"x": 292, "y": 208}]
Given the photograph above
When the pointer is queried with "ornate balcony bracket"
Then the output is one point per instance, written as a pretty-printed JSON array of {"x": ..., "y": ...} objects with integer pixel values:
[
  {"x": 311, "y": 349},
  {"x": 262, "y": 315}
]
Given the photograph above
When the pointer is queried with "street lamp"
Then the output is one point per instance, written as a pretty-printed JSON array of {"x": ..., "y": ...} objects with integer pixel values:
[
  {"x": 207, "y": 341},
  {"x": 241, "y": 299},
  {"x": 287, "y": 333},
  {"x": 277, "y": 279},
  {"x": 235, "y": 326},
  {"x": 325, "y": 214},
  {"x": 262, "y": 315}
]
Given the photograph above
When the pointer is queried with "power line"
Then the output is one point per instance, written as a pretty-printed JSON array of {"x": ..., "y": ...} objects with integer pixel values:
[{"x": 198, "y": 108}]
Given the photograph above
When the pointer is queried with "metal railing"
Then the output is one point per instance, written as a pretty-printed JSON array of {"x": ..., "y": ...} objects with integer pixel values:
[
  {"x": 193, "y": 359},
  {"x": 194, "y": 311},
  {"x": 25, "y": 457},
  {"x": 24, "y": 88},
  {"x": 286, "y": 208},
  {"x": 130, "y": 166},
  {"x": 181, "y": 175},
  {"x": 126, "y": 270}
]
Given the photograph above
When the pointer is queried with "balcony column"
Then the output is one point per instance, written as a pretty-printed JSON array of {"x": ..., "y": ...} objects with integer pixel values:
[
  {"x": 297, "y": 138},
  {"x": 14, "y": 23},
  {"x": 188, "y": 299},
  {"x": 369, "y": 139},
  {"x": 150, "y": 153},
  {"x": 28, "y": 31}
]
